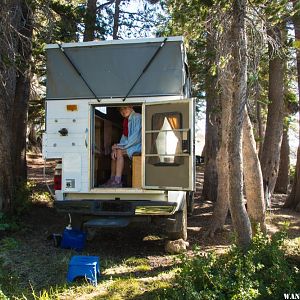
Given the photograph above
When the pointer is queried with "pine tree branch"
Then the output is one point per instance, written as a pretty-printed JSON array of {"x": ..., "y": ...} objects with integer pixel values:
[{"x": 100, "y": 7}]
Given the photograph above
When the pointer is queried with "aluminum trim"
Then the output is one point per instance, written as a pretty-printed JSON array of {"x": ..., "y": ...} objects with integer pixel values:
[
  {"x": 115, "y": 42},
  {"x": 155, "y": 210}
]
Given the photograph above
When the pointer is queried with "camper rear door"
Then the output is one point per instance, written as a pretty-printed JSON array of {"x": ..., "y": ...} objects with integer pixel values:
[{"x": 169, "y": 145}]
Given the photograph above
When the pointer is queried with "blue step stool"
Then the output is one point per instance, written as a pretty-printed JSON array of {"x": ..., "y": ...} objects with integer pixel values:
[{"x": 84, "y": 266}]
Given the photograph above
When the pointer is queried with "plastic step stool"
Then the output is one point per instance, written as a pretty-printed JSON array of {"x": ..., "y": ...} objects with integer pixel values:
[{"x": 84, "y": 266}]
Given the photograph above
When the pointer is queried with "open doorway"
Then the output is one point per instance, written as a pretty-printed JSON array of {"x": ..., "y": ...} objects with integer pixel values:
[{"x": 107, "y": 130}]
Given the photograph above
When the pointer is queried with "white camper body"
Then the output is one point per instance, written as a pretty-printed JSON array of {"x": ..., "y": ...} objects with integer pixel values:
[{"x": 86, "y": 84}]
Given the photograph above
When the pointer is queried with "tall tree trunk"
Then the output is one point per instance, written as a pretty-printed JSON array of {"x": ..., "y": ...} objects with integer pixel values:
[
  {"x": 116, "y": 19},
  {"x": 233, "y": 86},
  {"x": 90, "y": 21},
  {"x": 218, "y": 142},
  {"x": 293, "y": 200},
  {"x": 22, "y": 93},
  {"x": 253, "y": 178},
  {"x": 237, "y": 85},
  {"x": 271, "y": 148},
  {"x": 222, "y": 203},
  {"x": 210, "y": 185},
  {"x": 283, "y": 180},
  {"x": 10, "y": 18},
  {"x": 260, "y": 125},
  {"x": 33, "y": 141}
]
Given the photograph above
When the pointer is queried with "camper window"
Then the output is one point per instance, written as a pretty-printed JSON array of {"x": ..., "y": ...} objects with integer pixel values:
[{"x": 166, "y": 139}]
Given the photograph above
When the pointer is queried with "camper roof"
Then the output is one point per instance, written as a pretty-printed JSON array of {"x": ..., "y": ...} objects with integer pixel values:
[{"x": 110, "y": 69}]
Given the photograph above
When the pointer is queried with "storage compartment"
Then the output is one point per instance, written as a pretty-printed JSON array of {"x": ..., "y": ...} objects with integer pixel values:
[
  {"x": 136, "y": 171},
  {"x": 107, "y": 130}
]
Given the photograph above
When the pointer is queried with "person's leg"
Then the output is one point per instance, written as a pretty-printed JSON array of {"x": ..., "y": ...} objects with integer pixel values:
[
  {"x": 119, "y": 165},
  {"x": 113, "y": 165}
]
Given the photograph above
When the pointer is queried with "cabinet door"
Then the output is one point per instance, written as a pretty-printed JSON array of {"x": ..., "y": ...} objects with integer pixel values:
[{"x": 169, "y": 145}]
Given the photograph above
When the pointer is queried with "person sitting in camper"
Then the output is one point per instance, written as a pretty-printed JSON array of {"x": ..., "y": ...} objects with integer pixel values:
[{"x": 129, "y": 144}]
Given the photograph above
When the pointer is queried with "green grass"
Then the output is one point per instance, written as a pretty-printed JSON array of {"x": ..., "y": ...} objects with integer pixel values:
[
  {"x": 34, "y": 271},
  {"x": 32, "y": 268},
  {"x": 138, "y": 264},
  {"x": 262, "y": 272},
  {"x": 41, "y": 197},
  {"x": 133, "y": 288},
  {"x": 292, "y": 249},
  {"x": 27, "y": 272}
]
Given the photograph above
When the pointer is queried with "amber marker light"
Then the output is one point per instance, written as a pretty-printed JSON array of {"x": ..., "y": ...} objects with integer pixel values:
[{"x": 72, "y": 107}]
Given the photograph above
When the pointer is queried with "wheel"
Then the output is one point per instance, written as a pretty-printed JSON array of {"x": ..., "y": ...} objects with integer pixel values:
[
  {"x": 77, "y": 221},
  {"x": 90, "y": 233},
  {"x": 179, "y": 230},
  {"x": 190, "y": 203}
]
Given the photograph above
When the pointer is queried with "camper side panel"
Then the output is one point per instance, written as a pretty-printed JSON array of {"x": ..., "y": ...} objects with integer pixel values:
[{"x": 67, "y": 138}]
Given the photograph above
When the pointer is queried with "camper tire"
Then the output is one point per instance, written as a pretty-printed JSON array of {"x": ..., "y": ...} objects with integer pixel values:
[
  {"x": 77, "y": 222},
  {"x": 91, "y": 233},
  {"x": 180, "y": 226},
  {"x": 190, "y": 196}
]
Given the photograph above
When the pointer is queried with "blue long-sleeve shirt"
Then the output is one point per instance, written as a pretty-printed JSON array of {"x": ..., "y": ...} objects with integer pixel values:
[{"x": 132, "y": 143}]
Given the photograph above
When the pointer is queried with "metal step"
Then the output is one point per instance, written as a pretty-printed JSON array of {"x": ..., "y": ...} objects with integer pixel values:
[{"x": 107, "y": 222}]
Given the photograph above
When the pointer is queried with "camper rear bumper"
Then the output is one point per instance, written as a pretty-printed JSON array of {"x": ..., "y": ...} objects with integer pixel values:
[{"x": 116, "y": 207}]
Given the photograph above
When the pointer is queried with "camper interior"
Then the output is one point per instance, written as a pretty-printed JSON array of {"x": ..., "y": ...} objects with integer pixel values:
[{"x": 108, "y": 131}]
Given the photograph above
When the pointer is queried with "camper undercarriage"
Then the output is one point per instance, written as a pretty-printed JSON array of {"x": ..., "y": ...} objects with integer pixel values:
[{"x": 121, "y": 213}]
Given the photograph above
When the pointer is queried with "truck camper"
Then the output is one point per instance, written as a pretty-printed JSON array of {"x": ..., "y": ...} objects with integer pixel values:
[{"x": 87, "y": 83}]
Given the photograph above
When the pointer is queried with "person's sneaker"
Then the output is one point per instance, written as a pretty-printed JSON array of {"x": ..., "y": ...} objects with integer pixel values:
[
  {"x": 107, "y": 183},
  {"x": 115, "y": 184}
]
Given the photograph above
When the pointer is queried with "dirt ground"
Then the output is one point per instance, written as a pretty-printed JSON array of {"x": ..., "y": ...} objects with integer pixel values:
[
  {"x": 41, "y": 263},
  {"x": 44, "y": 218}
]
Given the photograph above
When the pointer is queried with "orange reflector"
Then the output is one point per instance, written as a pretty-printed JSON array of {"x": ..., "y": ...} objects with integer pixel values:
[{"x": 72, "y": 107}]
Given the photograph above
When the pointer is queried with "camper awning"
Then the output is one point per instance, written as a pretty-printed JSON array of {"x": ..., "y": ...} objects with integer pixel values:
[{"x": 110, "y": 68}]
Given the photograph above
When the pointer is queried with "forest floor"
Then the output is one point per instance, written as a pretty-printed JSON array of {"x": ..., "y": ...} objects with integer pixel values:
[{"x": 133, "y": 262}]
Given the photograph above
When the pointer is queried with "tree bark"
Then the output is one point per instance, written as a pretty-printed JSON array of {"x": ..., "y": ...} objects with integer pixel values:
[
  {"x": 216, "y": 142},
  {"x": 33, "y": 142},
  {"x": 253, "y": 178},
  {"x": 9, "y": 23},
  {"x": 22, "y": 93},
  {"x": 293, "y": 200},
  {"x": 116, "y": 19},
  {"x": 283, "y": 180},
  {"x": 222, "y": 203},
  {"x": 90, "y": 21},
  {"x": 213, "y": 112},
  {"x": 260, "y": 125},
  {"x": 271, "y": 147},
  {"x": 233, "y": 86},
  {"x": 237, "y": 85}
]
